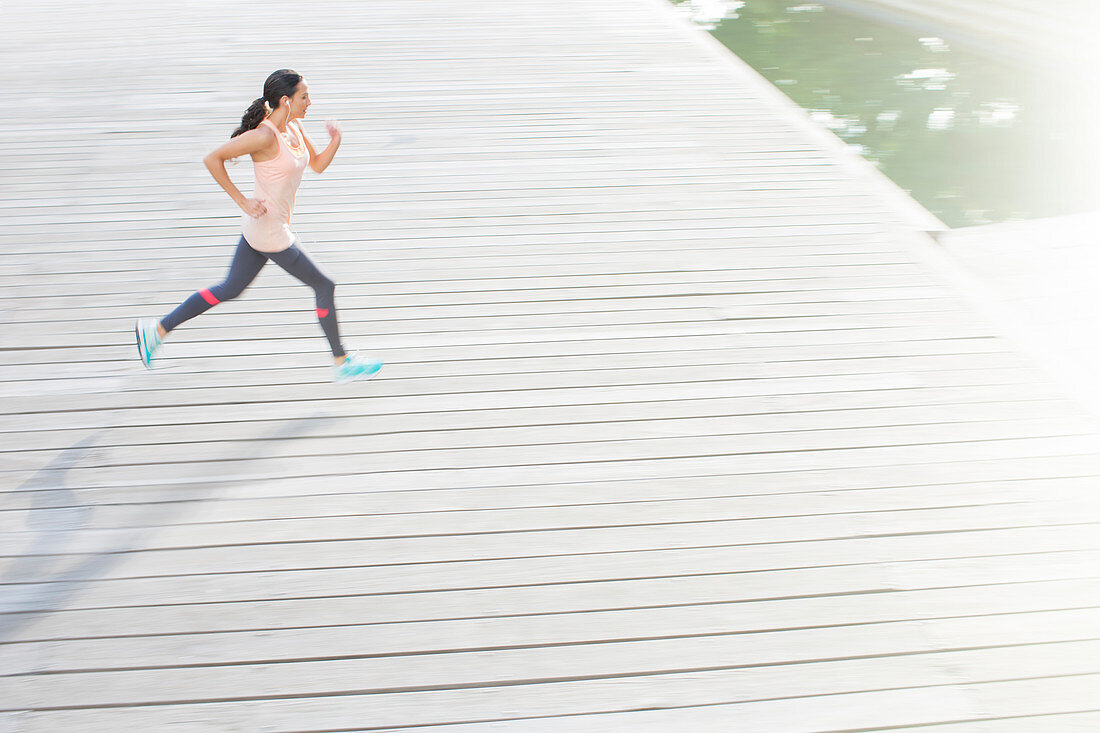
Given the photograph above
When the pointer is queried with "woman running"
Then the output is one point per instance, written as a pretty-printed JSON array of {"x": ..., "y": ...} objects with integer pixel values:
[{"x": 280, "y": 150}]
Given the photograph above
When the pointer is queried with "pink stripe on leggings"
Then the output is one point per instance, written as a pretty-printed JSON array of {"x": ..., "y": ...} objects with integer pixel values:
[{"x": 209, "y": 297}]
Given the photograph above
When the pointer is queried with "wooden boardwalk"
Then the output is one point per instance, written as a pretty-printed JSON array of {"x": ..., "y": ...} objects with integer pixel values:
[{"x": 683, "y": 427}]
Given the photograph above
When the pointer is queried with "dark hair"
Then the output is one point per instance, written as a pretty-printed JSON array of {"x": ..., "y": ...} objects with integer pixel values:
[{"x": 281, "y": 83}]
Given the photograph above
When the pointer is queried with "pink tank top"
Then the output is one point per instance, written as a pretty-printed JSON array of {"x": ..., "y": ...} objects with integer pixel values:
[{"x": 277, "y": 181}]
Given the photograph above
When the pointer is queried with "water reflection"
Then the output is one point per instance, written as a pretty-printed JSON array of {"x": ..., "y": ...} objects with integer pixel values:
[
  {"x": 709, "y": 13},
  {"x": 976, "y": 137}
]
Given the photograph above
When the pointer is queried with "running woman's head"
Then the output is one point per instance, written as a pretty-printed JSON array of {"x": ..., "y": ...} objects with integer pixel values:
[{"x": 283, "y": 87}]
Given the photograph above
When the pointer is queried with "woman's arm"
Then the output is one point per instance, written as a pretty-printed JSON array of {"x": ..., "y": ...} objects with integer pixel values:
[
  {"x": 253, "y": 141},
  {"x": 319, "y": 161}
]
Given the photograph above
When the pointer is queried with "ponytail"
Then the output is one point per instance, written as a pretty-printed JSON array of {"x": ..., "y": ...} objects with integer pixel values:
[
  {"x": 252, "y": 117},
  {"x": 279, "y": 84}
]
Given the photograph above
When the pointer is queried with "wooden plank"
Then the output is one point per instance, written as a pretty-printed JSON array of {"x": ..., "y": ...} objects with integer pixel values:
[
  {"x": 204, "y": 554},
  {"x": 461, "y": 291},
  {"x": 669, "y": 691},
  {"x": 370, "y": 639},
  {"x": 442, "y": 339},
  {"x": 304, "y": 413},
  {"x": 721, "y": 381},
  {"x": 333, "y": 528},
  {"x": 1016, "y": 477},
  {"x": 701, "y": 435},
  {"x": 774, "y": 570},
  {"x": 612, "y": 459},
  {"x": 144, "y": 616},
  {"x": 527, "y": 509},
  {"x": 672, "y": 415},
  {"x": 503, "y": 665},
  {"x": 1082, "y": 721}
]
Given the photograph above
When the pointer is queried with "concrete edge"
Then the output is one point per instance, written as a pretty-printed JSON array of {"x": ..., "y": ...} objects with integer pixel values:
[{"x": 912, "y": 214}]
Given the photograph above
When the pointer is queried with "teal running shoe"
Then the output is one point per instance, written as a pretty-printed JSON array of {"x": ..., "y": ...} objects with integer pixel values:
[
  {"x": 356, "y": 369},
  {"x": 148, "y": 340}
]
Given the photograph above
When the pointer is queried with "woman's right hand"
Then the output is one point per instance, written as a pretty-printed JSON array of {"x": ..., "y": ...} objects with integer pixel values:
[
  {"x": 249, "y": 143},
  {"x": 254, "y": 208}
]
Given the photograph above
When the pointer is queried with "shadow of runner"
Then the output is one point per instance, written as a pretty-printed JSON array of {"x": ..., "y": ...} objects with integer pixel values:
[{"x": 55, "y": 518}]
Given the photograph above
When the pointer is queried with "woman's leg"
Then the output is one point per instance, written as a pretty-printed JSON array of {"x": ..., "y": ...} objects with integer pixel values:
[
  {"x": 246, "y": 264},
  {"x": 295, "y": 261}
]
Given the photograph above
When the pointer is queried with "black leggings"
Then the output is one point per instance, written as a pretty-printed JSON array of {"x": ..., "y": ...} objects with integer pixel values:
[{"x": 247, "y": 263}]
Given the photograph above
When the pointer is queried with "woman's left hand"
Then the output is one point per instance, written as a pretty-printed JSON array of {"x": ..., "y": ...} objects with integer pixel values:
[{"x": 320, "y": 161}]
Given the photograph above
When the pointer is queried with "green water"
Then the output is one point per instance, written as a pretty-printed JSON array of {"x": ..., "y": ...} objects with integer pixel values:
[{"x": 973, "y": 138}]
